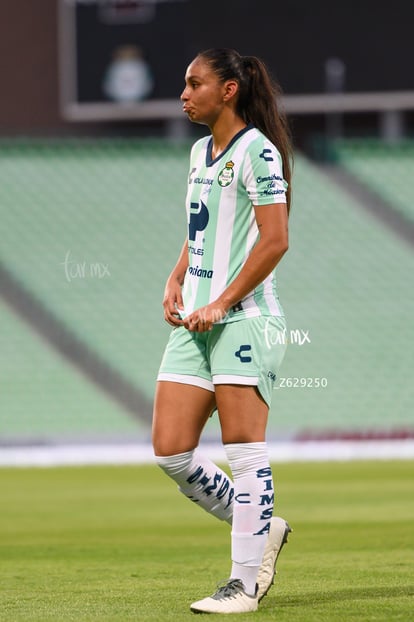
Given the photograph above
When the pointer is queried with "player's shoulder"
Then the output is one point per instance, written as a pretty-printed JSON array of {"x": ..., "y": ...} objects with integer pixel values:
[
  {"x": 259, "y": 140},
  {"x": 260, "y": 151}
]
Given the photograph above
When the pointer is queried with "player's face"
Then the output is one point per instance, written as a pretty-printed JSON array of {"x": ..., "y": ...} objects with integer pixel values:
[{"x": 203, "y": 94}]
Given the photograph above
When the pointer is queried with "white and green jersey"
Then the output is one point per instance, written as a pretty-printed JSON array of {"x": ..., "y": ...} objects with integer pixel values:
[{"x": 222, "y": 229}]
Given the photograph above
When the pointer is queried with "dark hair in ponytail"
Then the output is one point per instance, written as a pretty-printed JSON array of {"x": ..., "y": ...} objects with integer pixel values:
[{"x": 258, "y": 100}]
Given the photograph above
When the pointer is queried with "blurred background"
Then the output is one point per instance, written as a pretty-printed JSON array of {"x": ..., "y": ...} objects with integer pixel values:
[{"x": 94, "y": 152}]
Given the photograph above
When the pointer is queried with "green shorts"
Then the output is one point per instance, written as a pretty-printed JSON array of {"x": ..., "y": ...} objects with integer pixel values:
[{"x": 246, "y": 352}]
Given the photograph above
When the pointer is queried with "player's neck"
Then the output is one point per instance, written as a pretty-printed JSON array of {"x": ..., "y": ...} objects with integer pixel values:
[{"x": 223, "y": 131}]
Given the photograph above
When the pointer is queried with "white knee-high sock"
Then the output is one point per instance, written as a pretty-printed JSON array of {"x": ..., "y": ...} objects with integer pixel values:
[
  {"x": 252, "y": 509},
  {"x": 200, "y": 480}
]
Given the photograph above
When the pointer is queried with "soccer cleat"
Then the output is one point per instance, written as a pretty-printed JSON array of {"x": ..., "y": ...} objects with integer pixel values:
[
  {"x": 278, "y": 535},
  {"x": 229, "y": 598}
]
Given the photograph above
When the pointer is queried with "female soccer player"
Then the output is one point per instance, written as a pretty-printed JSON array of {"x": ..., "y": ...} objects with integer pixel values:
[{"x": 221, "y": 299}]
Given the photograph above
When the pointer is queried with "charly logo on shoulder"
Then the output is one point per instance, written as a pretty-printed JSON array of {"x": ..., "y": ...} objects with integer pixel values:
[{"x": 226, "y": 174}]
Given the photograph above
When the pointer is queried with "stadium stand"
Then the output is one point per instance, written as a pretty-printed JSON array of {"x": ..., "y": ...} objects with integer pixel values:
[
  {"x": 44, "y": 398},
  {"x": 387, "y": 169},
  {"x": 90, "y": 230}
]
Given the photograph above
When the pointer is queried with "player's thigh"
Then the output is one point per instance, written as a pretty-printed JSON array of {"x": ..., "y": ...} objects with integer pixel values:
[
  {"x": 243, "y": 413},
  {"x": 180, "y": 413},
  {"x": 245, "y": 357},
  {"x": 185, "y": 393}
]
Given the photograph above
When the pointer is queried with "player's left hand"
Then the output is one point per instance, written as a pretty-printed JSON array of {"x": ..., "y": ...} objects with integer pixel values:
[{"x": 204, "y": 318}]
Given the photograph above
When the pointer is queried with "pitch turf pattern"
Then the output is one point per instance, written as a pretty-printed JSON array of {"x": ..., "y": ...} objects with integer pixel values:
[{"x": 120, "y": 544}]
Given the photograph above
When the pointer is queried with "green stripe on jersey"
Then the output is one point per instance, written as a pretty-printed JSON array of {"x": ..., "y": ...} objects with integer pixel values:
[{"x": 221, "y": 223}]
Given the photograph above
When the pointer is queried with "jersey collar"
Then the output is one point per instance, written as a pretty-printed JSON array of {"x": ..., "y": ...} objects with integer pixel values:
[{"x": 209, "y": 157}]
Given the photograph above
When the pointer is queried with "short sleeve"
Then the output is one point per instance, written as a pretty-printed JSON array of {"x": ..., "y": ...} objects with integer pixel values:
[{"x": 263, "y": 174}]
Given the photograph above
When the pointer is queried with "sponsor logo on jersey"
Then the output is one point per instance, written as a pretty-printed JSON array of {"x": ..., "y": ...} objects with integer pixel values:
[
  {"x": 201, "y": 272},
  {"x": 271, "y": 191},
  {"x": 198, "y": 219},
  {"x": 274, "y": 177},
  {"x": 270, "y": 182},
  {"x": 203, "y": 180},
  {"x": 239, "y": 353},
  {"x": 226, "y": 174},
  {"x": 195, "y": 251},
  {"x": 199, "y": 180}
]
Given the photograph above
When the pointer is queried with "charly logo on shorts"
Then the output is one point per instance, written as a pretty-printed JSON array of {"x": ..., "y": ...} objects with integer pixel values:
[
  {"x": 239, "y": 353},
  {"x": 226, "y": 174}
]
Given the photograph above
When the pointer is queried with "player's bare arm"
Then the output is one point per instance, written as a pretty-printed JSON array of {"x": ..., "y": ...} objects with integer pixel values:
[{"x": 173, "y": 301}]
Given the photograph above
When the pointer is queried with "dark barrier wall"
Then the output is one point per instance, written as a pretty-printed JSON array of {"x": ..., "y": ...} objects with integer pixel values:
[
  {"x": 28, "y": 66},
  {"x": 295, "y": 38}
]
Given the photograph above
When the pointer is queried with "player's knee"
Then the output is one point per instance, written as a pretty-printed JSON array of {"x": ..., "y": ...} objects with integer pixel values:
[
  {"x": 162, "y": 443},
  {"x": 172, "y": 444},
  {"x": 164, "y": 448}
]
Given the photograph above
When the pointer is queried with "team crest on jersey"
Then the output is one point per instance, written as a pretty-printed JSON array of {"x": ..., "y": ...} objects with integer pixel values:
[{"x": 226, "y": 175}]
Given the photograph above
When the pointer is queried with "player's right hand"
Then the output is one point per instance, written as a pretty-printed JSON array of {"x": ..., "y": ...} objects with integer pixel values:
[{"x": 173, "y": 303}]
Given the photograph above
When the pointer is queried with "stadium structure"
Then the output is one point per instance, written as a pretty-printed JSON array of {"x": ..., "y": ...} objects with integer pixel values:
[{"x": 91, "y": 201}]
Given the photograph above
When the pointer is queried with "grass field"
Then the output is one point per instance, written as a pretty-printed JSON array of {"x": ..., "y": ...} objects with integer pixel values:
[{"x": 119, "y": 543}]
